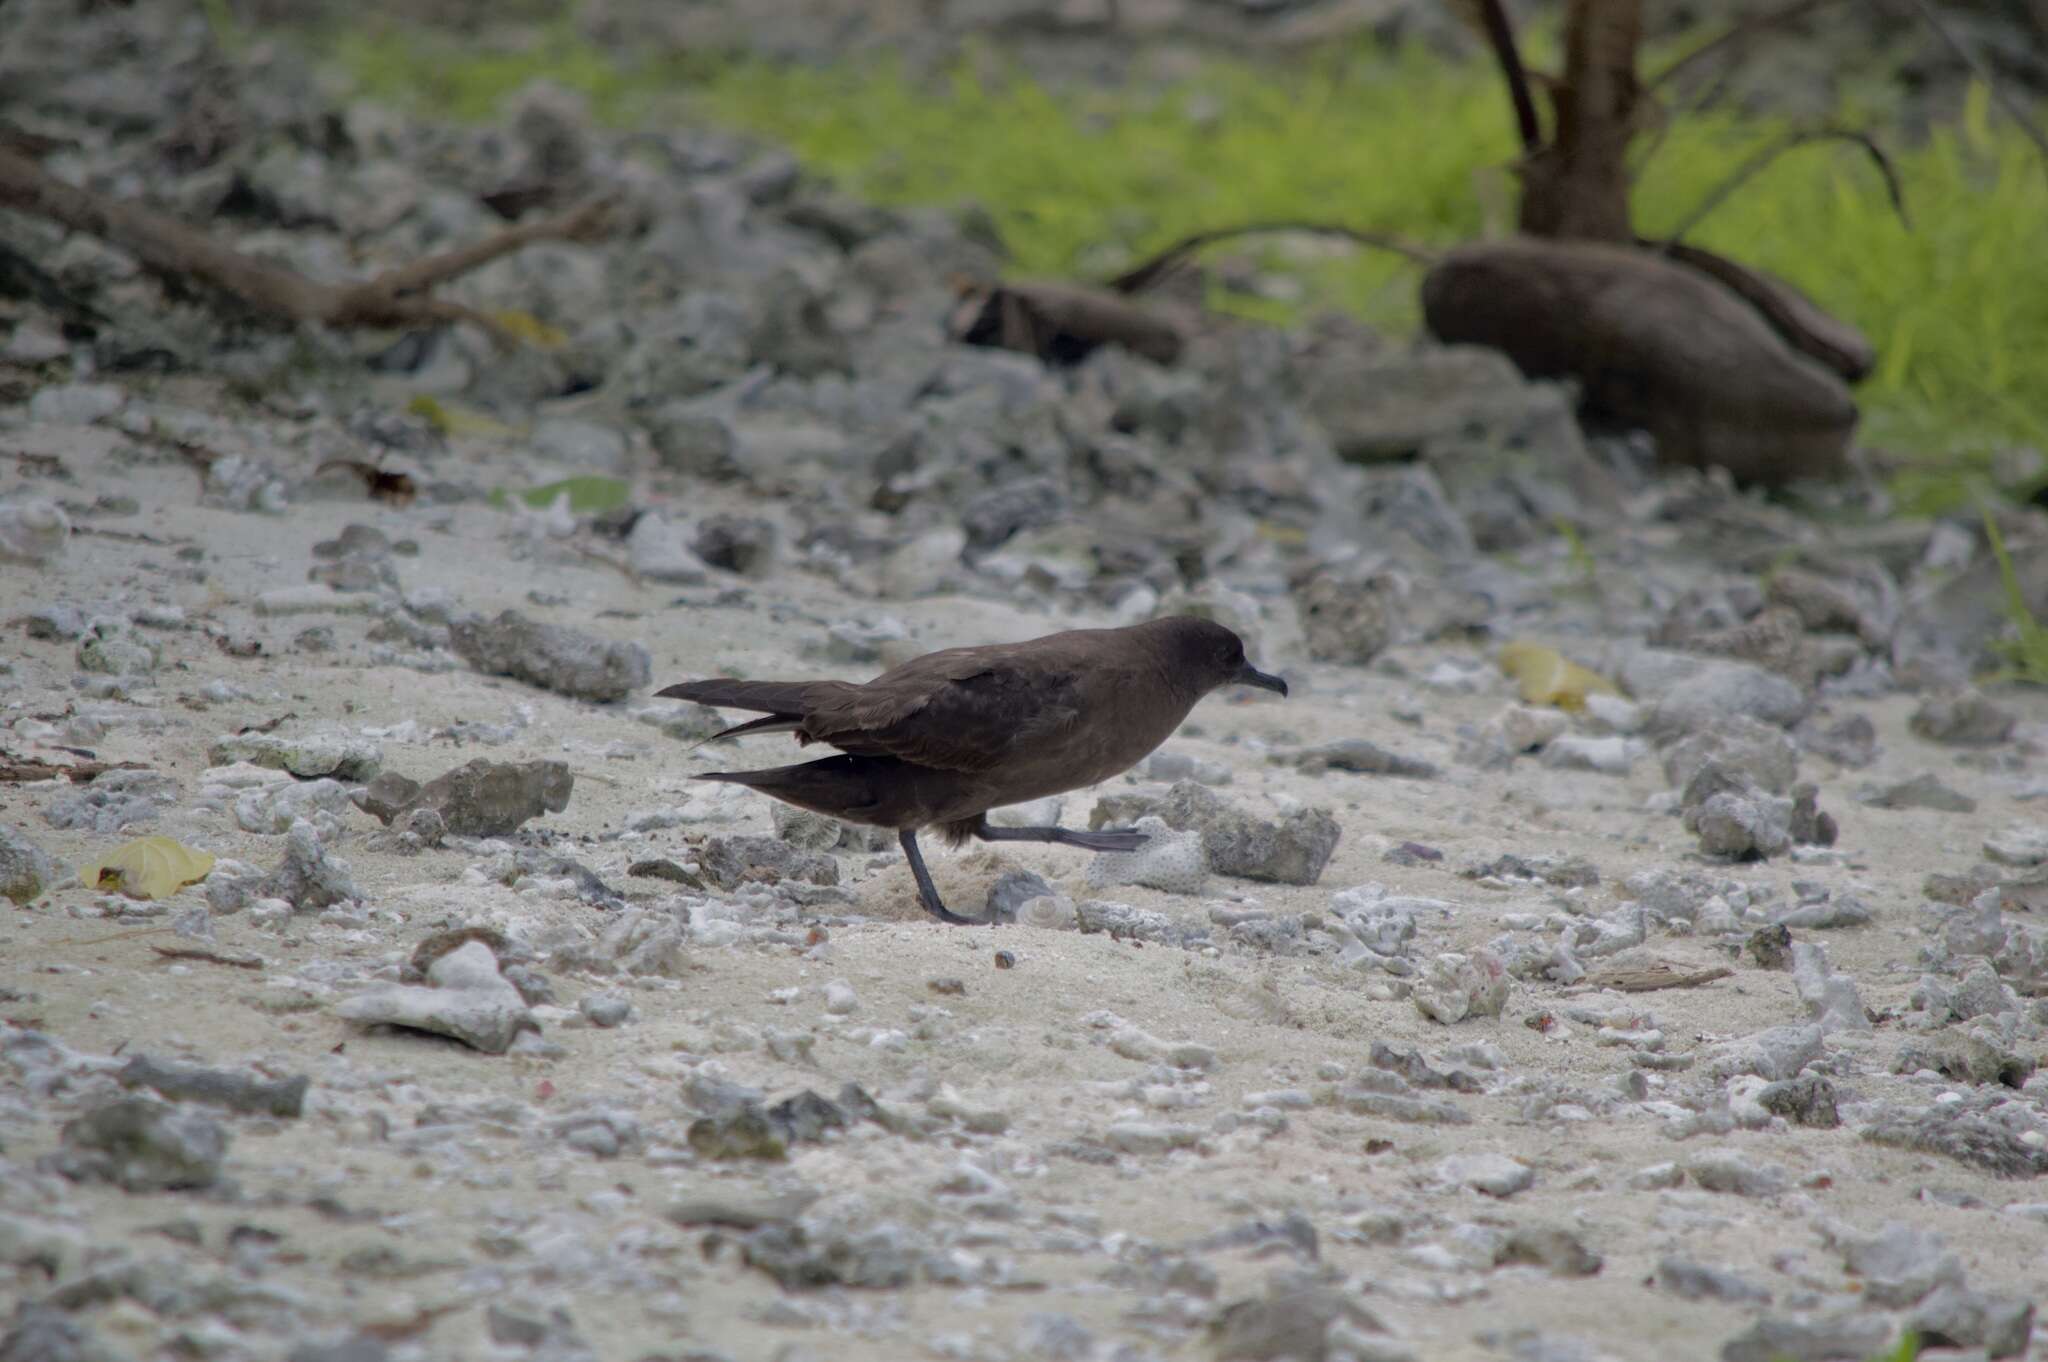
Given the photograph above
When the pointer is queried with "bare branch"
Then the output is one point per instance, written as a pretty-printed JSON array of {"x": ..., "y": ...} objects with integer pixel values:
[
  {"x": 1500, "y": 35},
  {"x": 1982, "y": 71},
  {"x": 1738, "y": 33},
  {"x": 1799, "y": 322},
  {"x": 1147, "y": 272},
  {"x": 1749, "y": 169},
  {"x": 167, "y": 246}
]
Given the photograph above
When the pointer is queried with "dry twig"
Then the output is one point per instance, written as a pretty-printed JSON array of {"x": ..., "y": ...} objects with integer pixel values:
[
  {"x": 1981, "y": 71},
  {"x": 1743, "y": 173},
  {"x": 211, "y": 955},
  {"x": 1655, "y": 977},
  {"x": 1146, "y": 273},
  {"x": 26, "y": 770},
  {"x": 1737, "y": 34},
  {"x": 162, "y": 243}
]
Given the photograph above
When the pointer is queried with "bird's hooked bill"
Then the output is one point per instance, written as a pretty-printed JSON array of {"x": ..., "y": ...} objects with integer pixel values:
[{"x": 1248, "y": 675}]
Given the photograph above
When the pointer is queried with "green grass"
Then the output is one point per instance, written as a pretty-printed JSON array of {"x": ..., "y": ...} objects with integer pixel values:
[
  {"x": 1081, "y": 182},
  {"x": 2026, "y": 652}
]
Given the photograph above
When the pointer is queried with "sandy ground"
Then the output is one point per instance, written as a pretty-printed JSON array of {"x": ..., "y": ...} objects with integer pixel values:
[{"x": 427, "y": 1181}]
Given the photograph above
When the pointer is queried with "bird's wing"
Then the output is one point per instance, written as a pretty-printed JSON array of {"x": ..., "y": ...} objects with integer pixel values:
[{"x": 966, "y": 713}]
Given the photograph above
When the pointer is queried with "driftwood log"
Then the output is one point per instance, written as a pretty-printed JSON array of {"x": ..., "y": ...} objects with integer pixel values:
[
  {"x": 1723, "y": 364},
  {"x": 1653, "y": 344}
]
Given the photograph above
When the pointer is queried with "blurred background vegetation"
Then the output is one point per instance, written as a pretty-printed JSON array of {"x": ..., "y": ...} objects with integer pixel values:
[{"x": 1084, "y": 165}]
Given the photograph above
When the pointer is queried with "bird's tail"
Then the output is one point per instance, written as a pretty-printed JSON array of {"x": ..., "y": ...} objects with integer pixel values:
[
  {"x": 781, "y": 702},
  {"x": 763, "y": 697},
  {"x": 840, "y": 786}
]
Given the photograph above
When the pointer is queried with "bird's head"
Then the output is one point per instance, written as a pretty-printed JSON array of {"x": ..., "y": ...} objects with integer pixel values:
[{"x": 1212, "y": 655}]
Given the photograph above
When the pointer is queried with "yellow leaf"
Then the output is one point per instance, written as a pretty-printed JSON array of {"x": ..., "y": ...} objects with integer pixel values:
[
  {"x": 530, "y": 328},
  {"x": 451, "y": 418},
  {"x": 1547, "y": 677},
  {"x": 148, "y": 868}
]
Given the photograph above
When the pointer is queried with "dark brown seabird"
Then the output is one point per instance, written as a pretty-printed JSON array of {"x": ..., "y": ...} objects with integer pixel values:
[{"x": 948, "y": 736}]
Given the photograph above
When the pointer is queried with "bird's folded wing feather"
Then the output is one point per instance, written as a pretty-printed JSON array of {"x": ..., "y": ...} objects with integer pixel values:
[{"x": 967, "y": 717}]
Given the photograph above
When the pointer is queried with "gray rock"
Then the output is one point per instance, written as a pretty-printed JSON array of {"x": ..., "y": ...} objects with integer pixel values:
[
  {"x": 862, "y": 640},
  {"x": 1553, "y": 868},
  {"x": 585, "y": 446},
  {"x": 142, "y": 1145},
  {"x": 35, "y": 531},
  {"x": 1850, "y": 742},
  {"x": 1455, "y": 986},
  {"x": 1560, "y": 1251},
  {"x": 1611, "y": 755},
  {"x": 25, "y": 871},
  {"x": 57, "y": 622},
  {"x": 1763, "y": 753},
  {"x": 1345, "y": 619},
  {"x": 1743, "y": 827},
  {"x": 1953, "y": 1131},
  {"x": 660, "y": 550},
  {"x": 794, "y": 330},
  {"x": 879, "y": 1257},
  {"x": 2020, "y": 844},
  {"x": 1727, "y": 1170},
  {"x": 1776, "y": 1054},
  {"x": 1809, "y": 825},
  {"x": 283, "y": 1097},
  {"x": 1692, "y": 1281},
  {"x": 729, "y": 862},
  {"x": 1170, "y": 766},
  {"x": 411, "y": 833},
  {"x": 1122, "y": 920},
  {"x": 550, "y": 656},
  {"x": 1364, "y": 757},
  {"x": 482, "y": 798},
  {"x": 1964, "y": 718},
  {"x": 690, "y": 440},
  {"x": 742, "y": 544},
  {"x": 1012, "y": 891},
  {"x": 114, "y": 802},
  {"x": 75, "y": 404},
  {"x": 272, "y": 809},
  {"x": 308, "y": 756},
  {"x": 1518, "y": 465},
  {"x": 1497, "y": 1175},
  {"x": 1898, "y": 1265},
  {"x": 1298, "y": 1320},
  {"x": 1293, "y": 850},
  {"x": 1977, "y": 1055},
  {"x": 1924, "y": 791},
  {"x": 466, "y": 998},
  {"x": 1808, "y": 1100},
  {"x": 351, "y": 1348},
  {"x": 1688, "y": 693},
  {"x": 1830, "y": 998},
  {"x": 554, "y": 1336},
  {"x": 1865, "y": 604},
  {"x": 604, "y": 1009},
  {"x": 49, "y": 1333},
  {"x": 116, "y": 654},
  {"x": 992, "y": 517},
  {"x": 1955, "y": 1316},
  {"x": 237, "y": 482},
  {"x": 307, "y": 878},
  {"x": 1853, "y": 1335}
]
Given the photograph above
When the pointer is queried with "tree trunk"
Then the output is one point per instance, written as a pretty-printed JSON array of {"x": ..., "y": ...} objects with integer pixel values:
[{"x": 1577, "y": 186}]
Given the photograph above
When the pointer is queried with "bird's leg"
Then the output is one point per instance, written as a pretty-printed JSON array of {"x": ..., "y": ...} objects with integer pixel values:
[
  {"x": 927, "y": 892},
  {"x": 1109, "y": 839}
]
